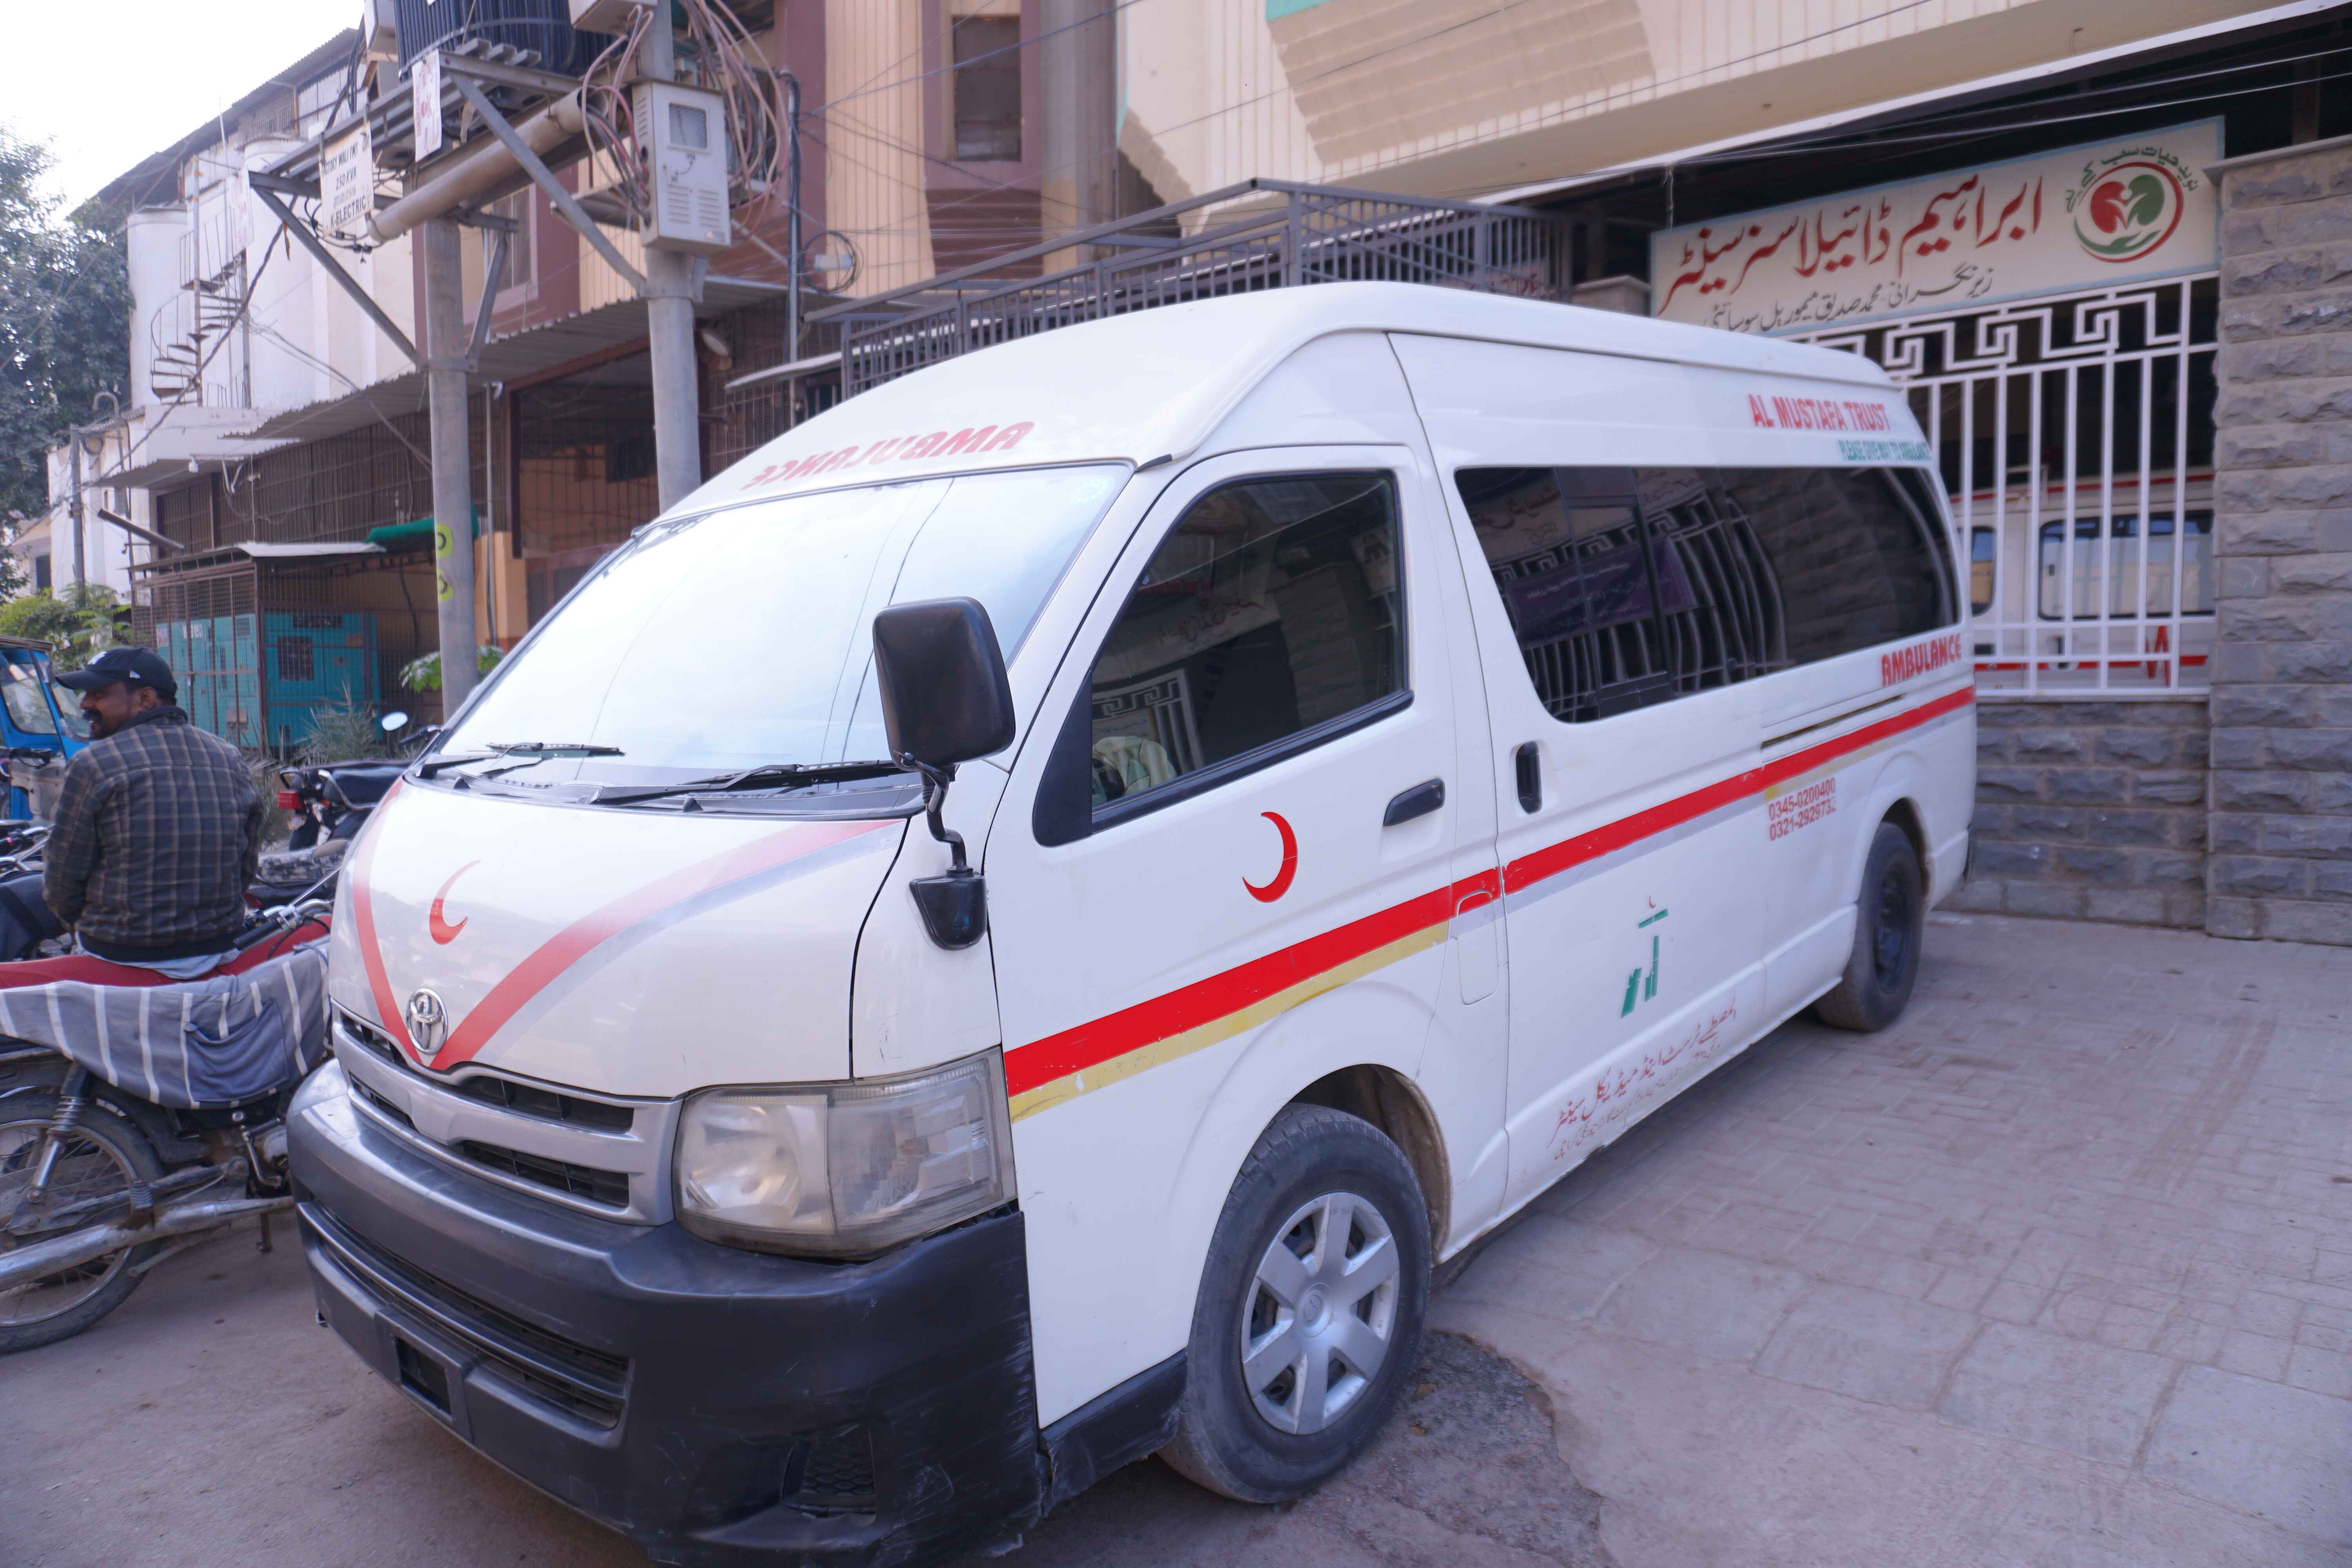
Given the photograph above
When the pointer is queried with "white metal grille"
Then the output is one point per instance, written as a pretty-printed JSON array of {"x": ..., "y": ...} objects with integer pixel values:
[{"x": 2076, "y": 439}]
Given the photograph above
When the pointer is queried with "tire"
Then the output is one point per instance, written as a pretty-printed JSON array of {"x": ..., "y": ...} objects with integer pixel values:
[
  {"x": 106, "y": 1154},
  {"x": 1890, "y": 923},
  {"x": 1277, "y": 1440}
]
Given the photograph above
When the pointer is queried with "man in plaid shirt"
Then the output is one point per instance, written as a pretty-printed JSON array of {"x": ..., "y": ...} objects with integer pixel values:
[{"x": 158, "y": 828}]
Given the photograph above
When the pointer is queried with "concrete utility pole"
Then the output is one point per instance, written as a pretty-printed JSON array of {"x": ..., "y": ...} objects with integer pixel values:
[
  {"x": 1077, "y": 86},
  {"x": 670, "y": 289},
  {"x": 73, "y": 444},
  {"x": 453, "y": 499}
]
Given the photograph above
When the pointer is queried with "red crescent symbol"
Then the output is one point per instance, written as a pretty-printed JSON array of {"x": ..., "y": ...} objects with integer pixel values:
[
  {"x": 1281, "y": 883},
  {"x": 435, "y": 921}
]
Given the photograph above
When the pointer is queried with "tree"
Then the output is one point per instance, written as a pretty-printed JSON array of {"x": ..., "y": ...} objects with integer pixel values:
[
  {"x": 78, "y": 626},
  {"x": 65, "y": 323}
]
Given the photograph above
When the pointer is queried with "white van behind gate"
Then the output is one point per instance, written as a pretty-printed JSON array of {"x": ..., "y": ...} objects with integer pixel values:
[{"x": 1378, "y": 744}]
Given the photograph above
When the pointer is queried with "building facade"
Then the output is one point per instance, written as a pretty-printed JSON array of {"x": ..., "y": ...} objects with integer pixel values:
[{"x": 2103, "y": 248}]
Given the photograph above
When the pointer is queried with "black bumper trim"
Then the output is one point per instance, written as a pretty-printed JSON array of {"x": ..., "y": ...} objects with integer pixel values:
[
  {"x": 1116, "y": 1427},
  {"x": 878, "y": 1413},
  {"x": 574, "y": 1377}
]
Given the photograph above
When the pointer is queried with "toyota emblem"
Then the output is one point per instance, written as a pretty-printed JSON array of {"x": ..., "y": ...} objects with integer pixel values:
[{"x": 428, "y": 1022}]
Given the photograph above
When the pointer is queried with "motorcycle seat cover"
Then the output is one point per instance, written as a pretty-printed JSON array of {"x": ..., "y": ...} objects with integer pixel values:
[{"x": 226, "y": 1039}]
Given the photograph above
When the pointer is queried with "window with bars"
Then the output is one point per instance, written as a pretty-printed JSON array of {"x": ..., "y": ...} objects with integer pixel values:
[{"x": 1627, "y": 587}]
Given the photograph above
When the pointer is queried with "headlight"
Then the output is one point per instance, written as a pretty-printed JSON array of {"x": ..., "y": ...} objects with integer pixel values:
[{"x": 847, "y": 1170}]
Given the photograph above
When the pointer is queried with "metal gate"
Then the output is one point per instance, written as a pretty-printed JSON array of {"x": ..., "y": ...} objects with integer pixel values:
[{"x": 2076, "y": 439}]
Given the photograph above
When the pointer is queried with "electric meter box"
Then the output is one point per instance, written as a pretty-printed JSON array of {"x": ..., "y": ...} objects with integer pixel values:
[{"x": 682, "y": 131}]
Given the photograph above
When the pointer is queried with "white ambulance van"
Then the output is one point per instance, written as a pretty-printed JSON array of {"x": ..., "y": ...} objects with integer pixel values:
[{"x": 1013, "y": 930}]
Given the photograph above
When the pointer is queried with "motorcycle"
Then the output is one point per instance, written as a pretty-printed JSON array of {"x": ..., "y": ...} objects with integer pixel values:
[
  {"x": 329, "y": 803},
  {"x": 129, "y": 1134}
]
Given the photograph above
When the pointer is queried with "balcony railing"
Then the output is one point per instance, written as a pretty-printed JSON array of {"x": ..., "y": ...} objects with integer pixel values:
[{"x": 1261, "y": 234}]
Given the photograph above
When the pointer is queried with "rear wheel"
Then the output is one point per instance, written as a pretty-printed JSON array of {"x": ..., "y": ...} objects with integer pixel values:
[
  {"x": 102, "y": 1156},
  {"x": 1309, "y": 1314},
  {"x": 1890, "y": 920}
]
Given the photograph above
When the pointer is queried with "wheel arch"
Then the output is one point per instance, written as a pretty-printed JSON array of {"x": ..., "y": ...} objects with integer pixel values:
[
  {"x": 1903, "y": 811},
  {"x": 1394, "y": 1103}
]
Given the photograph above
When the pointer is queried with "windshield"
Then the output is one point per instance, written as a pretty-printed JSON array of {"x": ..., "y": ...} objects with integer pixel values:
[{"x": 742, "y": 637}]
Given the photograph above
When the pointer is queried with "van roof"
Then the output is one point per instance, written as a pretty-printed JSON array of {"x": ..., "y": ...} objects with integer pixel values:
[{"x": 1157, "y": 383}]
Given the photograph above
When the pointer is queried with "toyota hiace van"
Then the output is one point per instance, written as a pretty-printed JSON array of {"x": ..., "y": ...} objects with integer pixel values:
[{"x": 1015, "y": 928}]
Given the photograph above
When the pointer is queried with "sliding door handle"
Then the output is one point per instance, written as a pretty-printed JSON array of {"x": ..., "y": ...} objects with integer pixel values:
[
  {"x": 1529, "y": 763},
  {"x": 1419, "y": 801}
]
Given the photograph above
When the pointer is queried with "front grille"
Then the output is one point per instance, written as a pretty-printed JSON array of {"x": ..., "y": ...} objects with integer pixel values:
[
  {"x": 547, "y": 1105},
  {"x": 608, "y": 1187},
  {"x": 836, "y": 1473},
  {"x": 383, "y": 1107},
  {"x": 583, "y": 1381},
  {"x": 522, "y": 1099}
]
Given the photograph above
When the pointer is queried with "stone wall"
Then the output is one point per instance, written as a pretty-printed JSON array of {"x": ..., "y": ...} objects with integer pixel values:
[
  {"x": 2090, "y": 811},
  {"x": 2281, "y": 827}
]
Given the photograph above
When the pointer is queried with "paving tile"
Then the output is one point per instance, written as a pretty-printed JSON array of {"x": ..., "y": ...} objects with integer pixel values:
[
  {"x": 1884, "y": 1348},
  {"x": 2329, "y": 1327},
  {"x": 2071, "y": 1395},
  {"x": 1553, "y": 1267},
  {"x": 1962, "y": 1289},
  {"x": 1708, "y": 1302},
  {"x": 2322, "y": 1371},
  {"x": 2247, "y": 1444},
  {"x": 2185, "y": 1338},
  {"x": 2256, "y": 1356},
  {"x": 2013, "y": 1302},
  {"x": 1751, "y": 1230},
  {"x": 2265, "y": 1312}
]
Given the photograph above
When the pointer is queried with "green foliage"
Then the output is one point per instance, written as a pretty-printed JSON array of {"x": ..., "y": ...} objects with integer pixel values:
[
  {"x": 424, "y": 673},
  {"x": 77, "y": 627},
  {"x": 341, "y": 732},
  {"x": 65, "y": 324}
]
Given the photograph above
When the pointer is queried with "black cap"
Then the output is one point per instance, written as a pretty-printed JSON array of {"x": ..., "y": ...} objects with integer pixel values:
[{"x": 127, "y": 665}]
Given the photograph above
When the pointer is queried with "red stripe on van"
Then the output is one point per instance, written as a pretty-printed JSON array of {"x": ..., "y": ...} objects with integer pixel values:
[
  {"x": 387, "y": 1005},
  {"x": 1205, "y": 1001},
  {"x": 1529, "y": 869}
]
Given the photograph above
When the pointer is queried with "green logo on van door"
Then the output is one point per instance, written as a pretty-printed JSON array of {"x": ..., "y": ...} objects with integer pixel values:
[{"x": 1642, "y": 984}]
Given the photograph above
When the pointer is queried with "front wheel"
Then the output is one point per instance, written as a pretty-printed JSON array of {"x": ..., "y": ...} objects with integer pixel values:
[
  {"x": 102, "y": 1157},
  {"x": 1890, "y": 920},
  {"x": 1310, "y": 1309}
]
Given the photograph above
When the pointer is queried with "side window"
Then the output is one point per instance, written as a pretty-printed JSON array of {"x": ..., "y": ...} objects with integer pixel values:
[
  {"x": 1271, "y": 609},
  {"x": 1630, "y": 586},
  {"x": 1624, "y": 587},
  {"x": 1857, "y": 563}
]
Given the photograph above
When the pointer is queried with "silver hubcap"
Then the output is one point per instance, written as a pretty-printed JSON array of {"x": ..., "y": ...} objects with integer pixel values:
[{"x": 1317, "y": 1319}]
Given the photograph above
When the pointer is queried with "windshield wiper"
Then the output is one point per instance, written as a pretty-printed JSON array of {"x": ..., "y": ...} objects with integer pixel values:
[
  {"x": 550, "y": 749},
  {"x": 530, "y": 751},
  {"x": 767, "y": 775}
]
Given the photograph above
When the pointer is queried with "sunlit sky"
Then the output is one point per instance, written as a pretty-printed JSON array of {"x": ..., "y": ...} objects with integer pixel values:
[{"x": 107, "y": 82}]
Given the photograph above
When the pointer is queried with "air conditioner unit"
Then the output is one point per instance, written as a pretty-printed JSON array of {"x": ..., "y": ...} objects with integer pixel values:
[{"x": 682, "y": 131}]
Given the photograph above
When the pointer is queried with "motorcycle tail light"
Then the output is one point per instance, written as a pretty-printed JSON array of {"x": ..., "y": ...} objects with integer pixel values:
[{"x": 288, "y": 801}]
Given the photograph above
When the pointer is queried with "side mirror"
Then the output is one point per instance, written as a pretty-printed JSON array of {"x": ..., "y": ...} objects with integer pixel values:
[
  {"x": 945, "y": 701},
  {"x": 393, "y": 723}
]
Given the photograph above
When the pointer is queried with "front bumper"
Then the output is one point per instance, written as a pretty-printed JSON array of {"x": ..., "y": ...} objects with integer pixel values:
[{"x": 715, "y": 1405}]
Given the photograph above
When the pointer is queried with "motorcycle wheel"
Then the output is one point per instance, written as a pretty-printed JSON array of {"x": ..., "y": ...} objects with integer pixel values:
[{"x": 103, "y": 1154}]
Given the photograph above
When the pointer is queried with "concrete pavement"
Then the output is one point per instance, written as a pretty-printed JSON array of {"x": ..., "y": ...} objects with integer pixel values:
[{"x": 2058, "y": 1270}]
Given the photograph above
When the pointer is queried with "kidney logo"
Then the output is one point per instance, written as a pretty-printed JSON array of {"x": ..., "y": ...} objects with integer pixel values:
[{"x": 2125, "y": 211}]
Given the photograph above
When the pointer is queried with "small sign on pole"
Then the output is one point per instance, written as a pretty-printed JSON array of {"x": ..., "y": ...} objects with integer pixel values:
[
  {"x": 425, "y": 102},
  {"x": 347, "y": 183}
]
